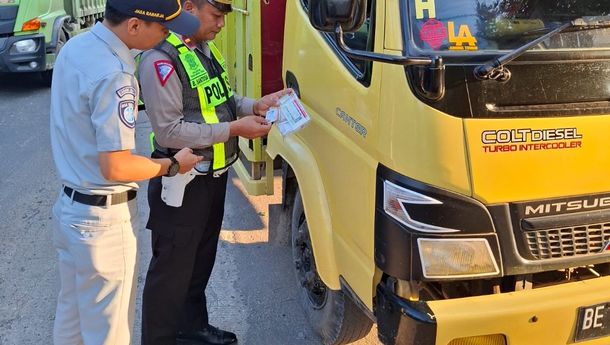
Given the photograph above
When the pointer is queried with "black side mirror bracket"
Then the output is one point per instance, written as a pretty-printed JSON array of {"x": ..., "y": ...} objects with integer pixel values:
[
  {"x": 370, "y": 56},
  {"x": 429, "y": 72},
  {"x": 429, "y": 81}
]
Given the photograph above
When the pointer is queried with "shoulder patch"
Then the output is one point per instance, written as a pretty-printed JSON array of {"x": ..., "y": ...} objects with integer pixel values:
[
  {"x": 127, "y": 113},
  {"x": 126, "y": 90},
  {"x": 164, "y": 69}
]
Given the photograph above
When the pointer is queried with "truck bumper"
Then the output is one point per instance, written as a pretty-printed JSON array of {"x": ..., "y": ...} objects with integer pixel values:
[
  {"x": 22, "y": 62},
  {"x": 546, "y": 316},
  {"x": 403, "y": 322}
]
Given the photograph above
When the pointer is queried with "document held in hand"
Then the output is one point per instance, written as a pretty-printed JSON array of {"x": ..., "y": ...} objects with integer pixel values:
[{"x": 290, "y": 116}]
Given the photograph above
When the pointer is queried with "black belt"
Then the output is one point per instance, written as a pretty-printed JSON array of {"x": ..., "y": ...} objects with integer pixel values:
[
  {"x": 100, "y": 200},
  {"x": 164, "y": 153}
]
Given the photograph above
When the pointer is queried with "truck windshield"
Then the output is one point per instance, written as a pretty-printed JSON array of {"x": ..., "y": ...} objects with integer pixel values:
[{"x": 469, "y": 26}]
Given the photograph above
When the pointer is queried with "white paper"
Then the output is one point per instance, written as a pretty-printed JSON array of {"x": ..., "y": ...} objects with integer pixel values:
[
  {"x": 290, "y": 116},
  {"x": 272, "y": 115}
]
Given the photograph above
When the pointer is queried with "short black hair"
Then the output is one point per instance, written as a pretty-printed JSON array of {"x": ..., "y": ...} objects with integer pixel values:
[{"x": 115, "y": 17}]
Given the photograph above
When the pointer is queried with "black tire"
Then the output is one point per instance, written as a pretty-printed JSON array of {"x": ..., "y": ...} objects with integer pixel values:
[
  {"x": 333, "y": 315},
  {"x": 47, "y": 76}
]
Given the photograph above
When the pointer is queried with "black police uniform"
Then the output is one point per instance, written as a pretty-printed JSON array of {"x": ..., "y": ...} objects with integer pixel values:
[{"x": 184, "y": 239}]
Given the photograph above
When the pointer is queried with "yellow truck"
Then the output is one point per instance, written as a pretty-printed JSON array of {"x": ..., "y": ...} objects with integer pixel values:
[{"x": 453, "y": 184}]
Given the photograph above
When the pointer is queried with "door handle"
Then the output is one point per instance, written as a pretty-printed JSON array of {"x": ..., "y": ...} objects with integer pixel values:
[{"x": 293, "y": 83}]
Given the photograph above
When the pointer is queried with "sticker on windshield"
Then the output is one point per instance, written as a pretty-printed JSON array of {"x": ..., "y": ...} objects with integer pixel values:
[
  {"x": 463, "y": 40},
  {"x": 428, "y": 6},
  {"x": 435, "y": 33}
]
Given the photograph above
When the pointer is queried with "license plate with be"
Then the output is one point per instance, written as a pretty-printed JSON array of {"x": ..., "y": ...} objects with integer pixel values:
[{"x": 593, "y": 322}]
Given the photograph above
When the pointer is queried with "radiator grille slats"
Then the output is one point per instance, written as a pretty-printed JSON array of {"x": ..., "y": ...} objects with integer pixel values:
[{"x": 568, "y": 241}]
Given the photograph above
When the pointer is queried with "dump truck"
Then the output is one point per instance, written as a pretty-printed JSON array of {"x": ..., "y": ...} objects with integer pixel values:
[
  {"x": 32, "y": 32},
  {"x": 453, "y": 183}
]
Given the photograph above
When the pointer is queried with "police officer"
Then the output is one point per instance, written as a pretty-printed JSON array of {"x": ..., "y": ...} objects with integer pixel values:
[
  {"x": 190, "y": 104},
  {"x": 93, "y": 115}
]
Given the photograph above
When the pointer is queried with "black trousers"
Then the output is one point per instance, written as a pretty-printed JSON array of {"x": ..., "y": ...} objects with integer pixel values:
[{"x": 184, "y": 242}]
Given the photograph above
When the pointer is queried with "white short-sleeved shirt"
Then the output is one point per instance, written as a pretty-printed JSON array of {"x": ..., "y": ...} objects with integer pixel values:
[{"x": 93, "y": 109}]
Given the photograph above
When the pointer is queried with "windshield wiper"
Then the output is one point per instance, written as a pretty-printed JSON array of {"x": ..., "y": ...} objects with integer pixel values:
[{"x": 495, "y": 69}]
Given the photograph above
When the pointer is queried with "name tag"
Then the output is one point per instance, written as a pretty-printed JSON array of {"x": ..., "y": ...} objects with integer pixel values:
[{"x": 194, "y": 69}]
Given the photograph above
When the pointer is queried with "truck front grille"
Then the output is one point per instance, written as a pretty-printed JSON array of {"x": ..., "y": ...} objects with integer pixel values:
[{"x": 568, "y": 241}]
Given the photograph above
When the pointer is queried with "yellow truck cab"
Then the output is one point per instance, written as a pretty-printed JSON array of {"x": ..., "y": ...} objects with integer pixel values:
[{"x": 453, "y": 184}]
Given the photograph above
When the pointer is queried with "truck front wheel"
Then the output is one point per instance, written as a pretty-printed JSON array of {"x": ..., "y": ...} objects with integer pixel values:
[{"x": 332, "y": 314}]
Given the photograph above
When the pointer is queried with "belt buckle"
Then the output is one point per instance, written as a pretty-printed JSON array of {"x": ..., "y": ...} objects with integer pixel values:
[{"x": 117, "y": 198}]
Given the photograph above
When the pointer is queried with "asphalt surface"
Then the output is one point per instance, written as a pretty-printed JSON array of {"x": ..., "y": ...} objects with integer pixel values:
[{"x": 252, "y": 289}]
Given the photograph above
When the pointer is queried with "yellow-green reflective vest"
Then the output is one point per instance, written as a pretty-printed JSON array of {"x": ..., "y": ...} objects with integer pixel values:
[{"x": 207, "y": 94}]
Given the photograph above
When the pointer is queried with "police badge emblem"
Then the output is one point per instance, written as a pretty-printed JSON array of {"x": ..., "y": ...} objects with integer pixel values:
[
  {"x": 127, "y": 113},
  {"x": 164, "y": 70}
]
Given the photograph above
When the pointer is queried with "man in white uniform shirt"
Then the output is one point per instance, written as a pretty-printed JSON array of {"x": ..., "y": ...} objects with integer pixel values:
[{"x": 93, "y": 114}]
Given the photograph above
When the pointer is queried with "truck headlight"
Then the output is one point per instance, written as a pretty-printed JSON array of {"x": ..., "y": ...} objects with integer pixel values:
[
  {"x": 394, "y": 200},
  {"x": 24, "y": 46},
  {"x": 456, "y": 258}
]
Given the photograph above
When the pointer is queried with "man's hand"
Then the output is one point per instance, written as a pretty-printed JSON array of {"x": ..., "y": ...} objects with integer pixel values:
[
  {"x": 125, "y": 166},
  {"x": 187, "y": 159},
  {"x": 249, "y": 127},
  {"x": 271, "y": 100}
]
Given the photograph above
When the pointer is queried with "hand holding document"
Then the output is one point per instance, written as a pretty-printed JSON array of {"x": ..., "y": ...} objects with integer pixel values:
[{"x": 290, "y": 116}]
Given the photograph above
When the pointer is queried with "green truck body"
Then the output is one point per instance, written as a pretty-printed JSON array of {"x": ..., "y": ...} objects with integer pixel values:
[{"x": 33, "y": 31}]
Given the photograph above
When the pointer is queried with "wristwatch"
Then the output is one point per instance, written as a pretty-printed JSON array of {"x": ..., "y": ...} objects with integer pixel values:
[{"x": 174, "y": 167}]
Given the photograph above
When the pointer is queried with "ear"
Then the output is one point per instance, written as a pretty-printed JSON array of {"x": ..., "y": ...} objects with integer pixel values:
[
  {"x": 133, "y": 26},
  {"x": 188, "y": 6}
]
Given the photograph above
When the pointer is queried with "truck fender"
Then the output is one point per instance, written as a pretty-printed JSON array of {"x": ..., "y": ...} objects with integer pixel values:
[
  {"x": 57, "y": 25},
  {"x": 302, "y": 162}
]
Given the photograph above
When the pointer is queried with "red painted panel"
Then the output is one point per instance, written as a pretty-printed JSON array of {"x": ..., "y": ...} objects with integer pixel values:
[{"x": 273, "y": 15}]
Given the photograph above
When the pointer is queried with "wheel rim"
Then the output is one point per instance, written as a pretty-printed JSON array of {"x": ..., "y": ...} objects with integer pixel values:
[{"x": 305, "y": 265}]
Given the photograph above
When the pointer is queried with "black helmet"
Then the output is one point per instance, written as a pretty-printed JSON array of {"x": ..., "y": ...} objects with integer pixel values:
[{"x": 222, "y": 5}]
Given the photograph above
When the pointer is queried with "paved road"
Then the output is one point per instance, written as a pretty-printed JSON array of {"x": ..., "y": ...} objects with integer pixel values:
[{"x": 252, "y": 287}]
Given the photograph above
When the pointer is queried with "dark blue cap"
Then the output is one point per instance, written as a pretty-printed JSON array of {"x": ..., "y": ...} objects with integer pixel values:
[{"x": 168, "y": 13}]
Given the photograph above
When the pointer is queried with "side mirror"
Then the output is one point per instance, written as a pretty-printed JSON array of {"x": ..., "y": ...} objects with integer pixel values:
[{"x": 325, "y": 15}]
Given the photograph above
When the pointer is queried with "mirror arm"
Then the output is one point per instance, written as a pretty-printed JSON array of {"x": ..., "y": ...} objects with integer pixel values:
[{"x": 365, "y": 55}]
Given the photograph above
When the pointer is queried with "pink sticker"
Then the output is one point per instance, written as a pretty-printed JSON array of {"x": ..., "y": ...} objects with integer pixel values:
[{"x": 433, "y": 33}]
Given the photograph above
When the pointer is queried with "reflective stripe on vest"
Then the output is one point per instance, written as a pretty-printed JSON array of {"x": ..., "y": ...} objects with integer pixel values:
[
  {"x": 210, "y": 91},
  {"x": 223, "y": 64}
]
